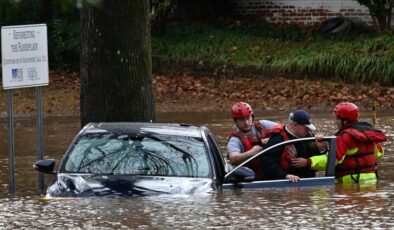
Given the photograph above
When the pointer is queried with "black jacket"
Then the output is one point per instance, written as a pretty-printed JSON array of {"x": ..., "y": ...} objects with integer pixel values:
[{"x": 271, "y": 159}]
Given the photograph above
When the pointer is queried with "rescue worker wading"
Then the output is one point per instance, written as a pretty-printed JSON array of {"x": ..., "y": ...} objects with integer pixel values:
[
  {"x": 357, "y": 150},
  {"x": 246, "y": 141}
]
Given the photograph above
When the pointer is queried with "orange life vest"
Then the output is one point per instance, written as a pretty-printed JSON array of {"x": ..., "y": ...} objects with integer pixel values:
[
  {"x": 365, "y": 138},
  {"x": 248, "y": 141},
  {"x": 289, "y": 152}
]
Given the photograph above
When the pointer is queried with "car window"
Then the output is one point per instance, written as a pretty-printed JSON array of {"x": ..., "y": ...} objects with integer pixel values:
[{"x": 159, "y": 155}]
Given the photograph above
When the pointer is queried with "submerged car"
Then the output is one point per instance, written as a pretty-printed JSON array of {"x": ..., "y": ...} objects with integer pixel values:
[{"x": 126, "y": 159}]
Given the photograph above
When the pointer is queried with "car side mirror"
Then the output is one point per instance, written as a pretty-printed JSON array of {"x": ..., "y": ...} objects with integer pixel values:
[
  {"x": 242, "y": 174},
  {"x": 45, "y": 166}
]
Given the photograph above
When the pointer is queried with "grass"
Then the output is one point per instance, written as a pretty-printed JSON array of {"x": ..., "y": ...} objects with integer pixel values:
[{"x": 353, "y": 58}]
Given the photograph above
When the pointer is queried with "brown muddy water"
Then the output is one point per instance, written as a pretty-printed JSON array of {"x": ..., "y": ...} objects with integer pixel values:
[{"x": 337, "y": 207}]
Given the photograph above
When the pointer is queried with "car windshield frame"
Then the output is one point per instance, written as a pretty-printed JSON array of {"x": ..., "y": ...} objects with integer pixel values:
[{"x": 151, "y": 154}]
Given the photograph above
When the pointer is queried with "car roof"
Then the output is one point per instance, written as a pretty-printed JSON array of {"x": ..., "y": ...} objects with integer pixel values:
[{"x": 146, "y": 128}]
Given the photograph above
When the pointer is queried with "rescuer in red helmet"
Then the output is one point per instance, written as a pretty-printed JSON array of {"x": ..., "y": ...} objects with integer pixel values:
[
  {"x": 246, "y": 141},
  {"x": 357, "y": 150}
]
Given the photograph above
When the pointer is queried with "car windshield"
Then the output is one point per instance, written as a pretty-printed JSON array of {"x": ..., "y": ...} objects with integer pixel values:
[{"x": 155, "y": 155}]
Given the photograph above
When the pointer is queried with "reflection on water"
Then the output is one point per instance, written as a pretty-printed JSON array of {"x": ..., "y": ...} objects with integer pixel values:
[{"x": 310, "y": 207}]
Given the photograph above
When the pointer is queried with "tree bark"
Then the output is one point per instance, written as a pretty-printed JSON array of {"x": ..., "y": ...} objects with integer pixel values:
[{"x": 116, "y": 63}]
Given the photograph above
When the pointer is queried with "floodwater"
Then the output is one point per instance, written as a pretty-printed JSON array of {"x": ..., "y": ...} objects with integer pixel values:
[{"x": 338, "y": 207}]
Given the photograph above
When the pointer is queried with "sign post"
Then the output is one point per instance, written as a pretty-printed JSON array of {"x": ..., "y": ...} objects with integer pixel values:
[
  {"x": 11, "y": 145},
  {"x": 24, "y": 64},
  {"x": 40, "y": 137}
]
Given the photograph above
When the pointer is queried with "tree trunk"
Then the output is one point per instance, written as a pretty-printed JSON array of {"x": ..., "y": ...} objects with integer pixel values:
[{"x": 116, "y": 63}]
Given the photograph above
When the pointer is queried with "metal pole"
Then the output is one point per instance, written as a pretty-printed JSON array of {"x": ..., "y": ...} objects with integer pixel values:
[
  {"x": 374, "y": 104},
  {"x": 11, "y": 144},
  {"x": 40, "y": 142}
]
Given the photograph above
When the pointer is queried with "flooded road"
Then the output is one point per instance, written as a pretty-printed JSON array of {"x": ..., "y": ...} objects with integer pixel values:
[{"x": 306, "y": 208}]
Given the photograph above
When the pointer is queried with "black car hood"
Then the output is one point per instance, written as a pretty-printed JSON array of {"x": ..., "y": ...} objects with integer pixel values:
[{"x": 81, "y": 185}]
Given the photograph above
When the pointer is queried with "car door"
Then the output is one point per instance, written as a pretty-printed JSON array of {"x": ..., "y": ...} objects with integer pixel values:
[{"x": 327, "y": 179}]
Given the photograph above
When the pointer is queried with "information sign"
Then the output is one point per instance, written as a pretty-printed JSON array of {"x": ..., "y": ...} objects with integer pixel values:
[{"x": 24, "y": 56}]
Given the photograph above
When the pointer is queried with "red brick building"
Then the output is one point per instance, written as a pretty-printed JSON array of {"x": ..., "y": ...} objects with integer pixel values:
[{"x": 301, "y": 12}]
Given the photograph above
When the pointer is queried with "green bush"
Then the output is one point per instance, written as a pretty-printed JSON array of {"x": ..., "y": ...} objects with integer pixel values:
[
  {"x": 62, "y": 20},
  {"x": 64, "y": 45},
  {"x": 354, "y": 58}
]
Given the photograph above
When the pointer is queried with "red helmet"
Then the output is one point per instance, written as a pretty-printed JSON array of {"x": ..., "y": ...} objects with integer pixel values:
[
  {"x": 346, "y": 111},
  {"x": 241, "y": 110}
]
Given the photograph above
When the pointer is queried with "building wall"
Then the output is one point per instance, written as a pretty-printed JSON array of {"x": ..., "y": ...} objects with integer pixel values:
[{"x": 300, "y": 12}]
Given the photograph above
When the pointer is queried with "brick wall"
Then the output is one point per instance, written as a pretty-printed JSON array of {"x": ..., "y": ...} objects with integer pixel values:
[{"x": 300, "y": 12}]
